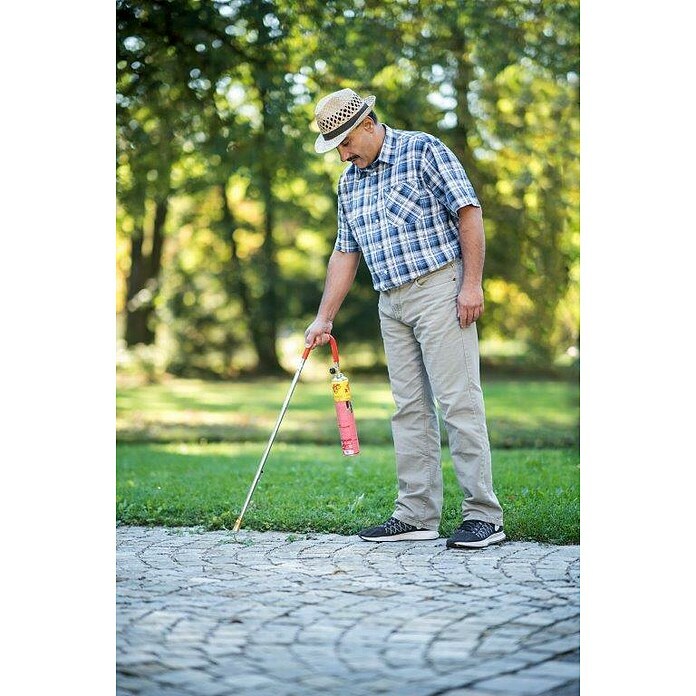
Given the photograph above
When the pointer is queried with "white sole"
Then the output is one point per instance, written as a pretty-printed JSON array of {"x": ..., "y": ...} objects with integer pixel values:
[
  {"x": 421, "y": 535},
  {"x": 492, "y": 539}
]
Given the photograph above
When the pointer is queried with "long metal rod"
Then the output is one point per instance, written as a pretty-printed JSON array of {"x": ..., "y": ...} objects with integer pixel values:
[{"x": 259, "y": 471}]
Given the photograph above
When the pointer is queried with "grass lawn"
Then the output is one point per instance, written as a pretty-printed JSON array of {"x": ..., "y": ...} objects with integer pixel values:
[
  {"x": 308, "y": 488},
  {"x": 520, "y": 412},
  {"x": 188, "y": 450}
]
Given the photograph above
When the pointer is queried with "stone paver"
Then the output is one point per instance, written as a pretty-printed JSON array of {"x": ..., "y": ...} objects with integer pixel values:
[{"x": 270, "y": 614}]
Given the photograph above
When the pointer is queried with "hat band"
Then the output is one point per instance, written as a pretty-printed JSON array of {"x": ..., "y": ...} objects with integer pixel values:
[{"x": 347, "y": 125}]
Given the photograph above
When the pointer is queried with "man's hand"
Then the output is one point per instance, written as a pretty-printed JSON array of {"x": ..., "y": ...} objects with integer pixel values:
[
  {"x": 469, "y": 305},
  {"x": 317, "y": 333}
]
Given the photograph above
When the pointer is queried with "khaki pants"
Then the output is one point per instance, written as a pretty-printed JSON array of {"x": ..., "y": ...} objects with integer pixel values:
[{"x": 431, "y": 358}]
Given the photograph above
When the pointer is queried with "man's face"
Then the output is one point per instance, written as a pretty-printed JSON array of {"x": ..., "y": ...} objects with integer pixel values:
[{"x": 358, "y": 146}]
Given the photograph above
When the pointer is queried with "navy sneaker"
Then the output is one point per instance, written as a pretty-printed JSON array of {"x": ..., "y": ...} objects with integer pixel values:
[
  {"x": 475, "y": 534},
  {"x": 396, "y": 530}
]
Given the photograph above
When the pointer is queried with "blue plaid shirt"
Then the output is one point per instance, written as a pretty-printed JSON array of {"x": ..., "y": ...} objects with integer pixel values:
[{"x": 401, "y": 210}]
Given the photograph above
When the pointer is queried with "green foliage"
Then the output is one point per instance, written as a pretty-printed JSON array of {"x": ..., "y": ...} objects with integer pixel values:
[
  {"x": 226, "y": 216},
  {"x": 535, "y": 247}
]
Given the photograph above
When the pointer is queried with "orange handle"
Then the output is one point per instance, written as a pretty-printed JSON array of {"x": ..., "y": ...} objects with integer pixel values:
[{"x": 334, "y": 350}]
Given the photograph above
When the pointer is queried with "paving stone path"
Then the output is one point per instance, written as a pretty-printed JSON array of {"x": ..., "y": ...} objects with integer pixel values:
[{"x": 276, "y": 614}]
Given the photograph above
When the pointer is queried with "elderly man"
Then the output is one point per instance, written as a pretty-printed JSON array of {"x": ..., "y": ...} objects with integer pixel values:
[{"x": 405, "y": 203}]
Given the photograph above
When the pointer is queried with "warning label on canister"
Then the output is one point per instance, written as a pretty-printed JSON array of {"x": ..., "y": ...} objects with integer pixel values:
[{"x": 341, "y": 390}]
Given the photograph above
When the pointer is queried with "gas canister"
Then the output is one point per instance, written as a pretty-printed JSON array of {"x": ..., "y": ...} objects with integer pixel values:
[{"x": 345, "y": 417}]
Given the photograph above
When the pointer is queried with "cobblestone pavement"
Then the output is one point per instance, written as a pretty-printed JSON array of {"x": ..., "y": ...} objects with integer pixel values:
[{"x": 275, "y": 614}]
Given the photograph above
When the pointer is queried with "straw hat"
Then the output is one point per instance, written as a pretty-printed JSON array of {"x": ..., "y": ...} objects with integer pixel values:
[{"x": 337, "y": 114}]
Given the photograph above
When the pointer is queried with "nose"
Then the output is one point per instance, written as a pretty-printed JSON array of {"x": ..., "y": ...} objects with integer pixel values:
[{"x": 343, "y": 152}]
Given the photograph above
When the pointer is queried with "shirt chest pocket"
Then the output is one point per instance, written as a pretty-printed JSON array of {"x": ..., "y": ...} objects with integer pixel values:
[{"x": 403, "y": 203}]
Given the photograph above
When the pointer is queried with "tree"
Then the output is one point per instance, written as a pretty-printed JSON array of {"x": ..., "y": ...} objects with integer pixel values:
[
  {"x": 216, "y": 160},
  {"x": 157, "y": 56}
]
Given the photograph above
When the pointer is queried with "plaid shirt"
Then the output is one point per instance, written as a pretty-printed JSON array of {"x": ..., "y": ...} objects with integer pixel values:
[{"x": 401, "y": 210}]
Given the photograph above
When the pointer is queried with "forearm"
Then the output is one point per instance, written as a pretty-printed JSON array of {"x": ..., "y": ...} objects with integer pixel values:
[
  {"x": 340, "y": 274},
  {"x": 472, "y": 242},
  {"x": 473, "y": 246}
]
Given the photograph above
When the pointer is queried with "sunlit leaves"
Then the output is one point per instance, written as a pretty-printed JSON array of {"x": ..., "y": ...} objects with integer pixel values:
[{"x": 534, "y": 122}]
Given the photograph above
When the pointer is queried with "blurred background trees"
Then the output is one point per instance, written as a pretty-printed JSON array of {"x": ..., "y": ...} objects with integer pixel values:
[{"x": 226, "y": 216}]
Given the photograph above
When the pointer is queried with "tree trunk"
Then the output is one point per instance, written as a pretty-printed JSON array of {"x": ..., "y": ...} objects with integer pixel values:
[
  {"x": 264, "y": 320},
  {"x": 143, "y": 280},
  {"x": 137, "y": 329}
]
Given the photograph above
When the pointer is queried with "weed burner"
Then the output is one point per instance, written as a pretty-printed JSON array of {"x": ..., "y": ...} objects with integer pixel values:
[{"x": 344, "y": 416}]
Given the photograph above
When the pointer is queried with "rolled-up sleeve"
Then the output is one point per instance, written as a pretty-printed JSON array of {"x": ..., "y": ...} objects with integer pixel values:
[{"x": 444, "y": 175}]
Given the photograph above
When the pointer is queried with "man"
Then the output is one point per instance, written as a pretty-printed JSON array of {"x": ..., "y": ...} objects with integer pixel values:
[{"x": 407, "y": 206}]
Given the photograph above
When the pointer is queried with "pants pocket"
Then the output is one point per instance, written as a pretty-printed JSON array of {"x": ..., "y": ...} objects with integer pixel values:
[{"x": 442, "y": 276}]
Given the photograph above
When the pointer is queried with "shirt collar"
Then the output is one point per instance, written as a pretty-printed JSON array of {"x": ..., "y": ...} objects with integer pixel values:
[{"x": 387, "y": 153}]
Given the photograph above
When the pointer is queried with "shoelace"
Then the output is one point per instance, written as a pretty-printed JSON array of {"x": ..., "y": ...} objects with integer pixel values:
[
  {"x": 394, "y": 525},
  {"x": 476, "y": 527}
]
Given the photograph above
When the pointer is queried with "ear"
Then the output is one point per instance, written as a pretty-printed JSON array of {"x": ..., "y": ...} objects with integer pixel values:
[{"x": 368, "y": 124}]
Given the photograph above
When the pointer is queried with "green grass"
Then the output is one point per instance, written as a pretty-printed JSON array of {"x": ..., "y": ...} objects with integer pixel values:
[
  {"x": 312, "y": 488},
  {"x": 520, "y": 412},
  {"x": 188, "y": 450}
]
